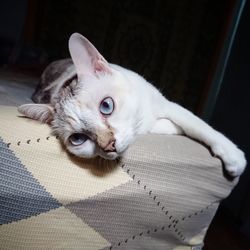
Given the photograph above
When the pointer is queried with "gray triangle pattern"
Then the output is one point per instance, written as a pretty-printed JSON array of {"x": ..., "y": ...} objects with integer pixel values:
[
  {"x": 174, "y": 175},
  {"x": 125, "y": 214},
  {"x": 21, "y": 195},
  {"x": 169, "y": 200}
]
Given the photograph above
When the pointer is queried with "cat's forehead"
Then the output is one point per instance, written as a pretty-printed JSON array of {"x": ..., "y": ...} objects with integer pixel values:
[
  {"x": 93, "y": 83},
  {"x": 94, "y": 88},
  {"x": 89, "y": 92}
]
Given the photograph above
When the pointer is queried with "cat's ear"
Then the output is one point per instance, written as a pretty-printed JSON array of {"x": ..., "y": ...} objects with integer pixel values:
[
  {"x": 40, "y": 112},
  {"x": 86, "y": 57}
]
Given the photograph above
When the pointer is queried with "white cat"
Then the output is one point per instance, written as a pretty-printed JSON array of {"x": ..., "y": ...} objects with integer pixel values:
[{"x": 102, "y": 111}]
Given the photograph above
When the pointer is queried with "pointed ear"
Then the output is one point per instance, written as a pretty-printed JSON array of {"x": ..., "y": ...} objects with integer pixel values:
[
  {"x": 40, "y": 112},
  {"x": 86, "y": 57}
]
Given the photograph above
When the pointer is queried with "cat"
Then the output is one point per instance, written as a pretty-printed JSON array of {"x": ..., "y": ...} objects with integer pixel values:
[{"x": 98, "y": 109}]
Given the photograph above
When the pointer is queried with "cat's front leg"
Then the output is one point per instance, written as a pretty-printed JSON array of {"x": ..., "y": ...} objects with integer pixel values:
[
  {"x": 194, "y": 127},
  {"x": 165, "y": 126},
  {"x": 232, "y": 156}
]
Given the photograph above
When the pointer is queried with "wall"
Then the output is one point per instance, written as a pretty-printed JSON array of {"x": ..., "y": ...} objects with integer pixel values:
[{"x": 232, "y": 116}]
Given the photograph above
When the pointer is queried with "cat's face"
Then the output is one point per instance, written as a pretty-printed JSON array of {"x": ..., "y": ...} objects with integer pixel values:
[
  {"x": 97, "y": 118},
  {"x": 96, "y": 115}
]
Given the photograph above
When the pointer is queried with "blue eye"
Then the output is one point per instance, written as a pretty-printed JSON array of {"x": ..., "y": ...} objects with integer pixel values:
[
  {"x": 107, "y": 106},
  {"x": 77, "y": 139}
]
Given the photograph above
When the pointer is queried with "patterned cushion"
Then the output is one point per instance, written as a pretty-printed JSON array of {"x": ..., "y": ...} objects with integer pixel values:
[{"x": 162, "y": 195}]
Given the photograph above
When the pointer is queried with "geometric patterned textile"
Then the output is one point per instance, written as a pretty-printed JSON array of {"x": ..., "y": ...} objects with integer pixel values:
[
  {"x": 162, "y": 194},
  {"x": 24, "y": 200}
]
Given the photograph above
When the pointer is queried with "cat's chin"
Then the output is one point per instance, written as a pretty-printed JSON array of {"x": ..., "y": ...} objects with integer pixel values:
[{"x": 110, "y": 156}]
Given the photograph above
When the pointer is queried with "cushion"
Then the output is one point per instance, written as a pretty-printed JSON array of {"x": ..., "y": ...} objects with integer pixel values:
[{"x": 162, "y": 194}]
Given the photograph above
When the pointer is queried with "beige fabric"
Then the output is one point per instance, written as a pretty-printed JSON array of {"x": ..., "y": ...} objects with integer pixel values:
[
  {"x": 54, "y": 230},
  {"x": 162, "y": 195},
  {"x": 50, "y": 164}
]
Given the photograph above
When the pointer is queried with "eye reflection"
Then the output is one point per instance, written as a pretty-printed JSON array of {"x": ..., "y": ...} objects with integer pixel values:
[
  {"x": 77, "y": 139},
  {"x": 107, "y": 106}
]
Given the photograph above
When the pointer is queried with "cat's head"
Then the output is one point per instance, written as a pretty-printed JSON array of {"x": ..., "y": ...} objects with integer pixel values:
[{"x": 96, "y": 114}]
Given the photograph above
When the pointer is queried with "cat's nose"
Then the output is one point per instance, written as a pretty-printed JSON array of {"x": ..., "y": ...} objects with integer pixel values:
[{"x": 110, "y": 147}]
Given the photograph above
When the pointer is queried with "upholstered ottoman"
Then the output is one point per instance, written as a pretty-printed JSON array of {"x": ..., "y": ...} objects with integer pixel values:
[{"x": 162, "y": 195}]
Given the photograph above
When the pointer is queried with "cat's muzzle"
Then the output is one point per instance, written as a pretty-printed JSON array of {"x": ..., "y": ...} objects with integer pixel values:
[{"x": 110, "y": 147}]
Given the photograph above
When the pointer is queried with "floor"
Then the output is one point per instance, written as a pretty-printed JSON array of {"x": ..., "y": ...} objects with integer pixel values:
[
  {"x": 16, "y": 88},
  {"x": 223, "y": 235}
]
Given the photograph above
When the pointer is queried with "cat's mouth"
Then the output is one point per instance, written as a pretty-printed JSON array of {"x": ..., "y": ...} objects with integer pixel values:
[
  {"x": 107, "y": 155},
  {"x": 110, "y": 155}
]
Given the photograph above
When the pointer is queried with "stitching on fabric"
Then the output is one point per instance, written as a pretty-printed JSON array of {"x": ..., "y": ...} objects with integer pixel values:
[
  {"x": 42, "y": 187},
  {"x": 179, "y": 233},
  {"x": 173, "y": 223},
  {"x": 29, "y": 141},
  {"x": 149, "y": 231},
  {"x": 200, "y": 211},
  {"x": 153, "y": 197}
]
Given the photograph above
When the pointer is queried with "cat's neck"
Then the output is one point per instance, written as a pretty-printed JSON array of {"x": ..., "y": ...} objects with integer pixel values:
[{"x": 150, "y": 100}]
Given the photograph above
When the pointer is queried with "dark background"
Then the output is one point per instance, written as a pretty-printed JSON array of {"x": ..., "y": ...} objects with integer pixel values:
[
  {"x": 174, "y": 44},
  {"x": 182, "y": 46},
  {"x": 232, "y": 116}
]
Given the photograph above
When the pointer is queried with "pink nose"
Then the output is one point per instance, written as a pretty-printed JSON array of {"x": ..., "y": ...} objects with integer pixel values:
[{"x": 110, "y": 147}]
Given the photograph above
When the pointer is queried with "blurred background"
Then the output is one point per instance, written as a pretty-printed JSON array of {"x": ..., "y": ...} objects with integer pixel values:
[{"x": 195, "y": 51}]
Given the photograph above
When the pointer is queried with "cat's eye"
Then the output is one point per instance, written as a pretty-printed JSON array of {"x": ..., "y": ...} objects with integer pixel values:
[
  {"x": 107, "y": 106},
  {"x": 77, "y": 139}
]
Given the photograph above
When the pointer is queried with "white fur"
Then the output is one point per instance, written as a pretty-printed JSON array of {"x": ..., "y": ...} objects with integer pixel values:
[
  {"x": 154, "y": 106},
  {"x": 139, "y": 109}
]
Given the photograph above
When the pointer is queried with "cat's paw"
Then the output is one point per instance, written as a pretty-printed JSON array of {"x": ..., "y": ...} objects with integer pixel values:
[{"x": 233, "y": 158}]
